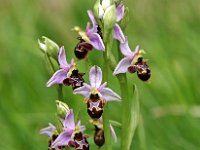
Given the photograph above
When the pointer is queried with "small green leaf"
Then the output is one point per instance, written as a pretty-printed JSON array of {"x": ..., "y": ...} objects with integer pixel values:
[
  {"x": 115, "y": 123},
  {"x": 134, "y": 115}
]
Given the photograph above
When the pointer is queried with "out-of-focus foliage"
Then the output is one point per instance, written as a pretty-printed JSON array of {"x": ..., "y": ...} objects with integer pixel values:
[{"x": 169, "y": 31}]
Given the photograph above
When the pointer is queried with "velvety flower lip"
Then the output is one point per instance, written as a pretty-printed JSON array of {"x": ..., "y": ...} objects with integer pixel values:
[
  {"x": 94, "y": 38},
  {"x": 49, "y": 131},
  {"x": 125, "y": 62},
  {"x": 95, "y": 86},
  {"x": 69, "y": 128},
  {"x": 61, "y": 74}
]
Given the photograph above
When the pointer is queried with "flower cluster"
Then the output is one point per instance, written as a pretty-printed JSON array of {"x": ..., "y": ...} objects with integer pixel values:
[{"x": 106, "y": 23}]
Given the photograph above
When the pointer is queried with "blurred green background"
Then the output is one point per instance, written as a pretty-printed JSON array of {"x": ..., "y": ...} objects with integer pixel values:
[{"x": 169, "y": 31}]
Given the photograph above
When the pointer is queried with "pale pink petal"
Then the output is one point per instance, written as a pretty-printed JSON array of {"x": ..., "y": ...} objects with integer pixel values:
[
  {"x": 93, "y": 20},
  {"x": 118, "y": 33},
  {"x": 63, "y": 139},
  {"x": 122, "y": 66},
  {"x": 102, "y": 86},
  {"x": 124, "y": 47},
  {"x": 49, "y": 131},
  {"x": 82, "y": 128},
  {"x": 96, "y": 41},
  {"x": 95, "y": 76},
  {"x": 62, "y": 59},
  {"x": 136, "y": 51},
  {"x": 109, "y": 95},
  {"x": 83, "y": 90},
  {"x": 112, "y": 131},
  {"x": 120, "y": 12},
  {"x": 88, "y": 27},
  {"x": 106, "y": 4},
  {"x": 57, "y": 77},
  {"x": 69, "y": 120},
  {"x": 72, "y": 61}
]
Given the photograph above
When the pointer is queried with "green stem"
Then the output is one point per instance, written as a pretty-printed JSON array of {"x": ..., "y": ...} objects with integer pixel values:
[
  {"x": 50, "y": 62},
  {"x": 125, "y": 110},
  {"x": 125, "y": 105},
  {"x": 106, "y": 124},
  {"x": 60, "y": 92}
]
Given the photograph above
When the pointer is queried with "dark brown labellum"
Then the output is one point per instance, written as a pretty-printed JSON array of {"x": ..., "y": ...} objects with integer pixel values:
[
  {"x": 82, "y": 49},
  {"x": 78, "y": 136},
  {"x": 143, "y": 70},
  {"x": 94, "y": 97},
  {"x": 95, "y": 111},
  {"x": 132, "y": 69},
  {"x": 76, "y": 79},
  {"x": 99, "y": 138},
  {"x": 80, "y": 142},
  {"x": 68, "y": 81},
  {"x": 145, "y": 76}
]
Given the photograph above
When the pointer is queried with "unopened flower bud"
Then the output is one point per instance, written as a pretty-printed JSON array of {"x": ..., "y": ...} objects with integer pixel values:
[
  {"x": 48, "y": 46},
  {"x": 101, "y": 7},
  {"x": 62, "y": 109},
  {"x": 96, "y": 8},
  {"x": 109, "y": 19}
]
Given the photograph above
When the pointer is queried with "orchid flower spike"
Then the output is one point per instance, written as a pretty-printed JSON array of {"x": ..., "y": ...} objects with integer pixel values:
[
  {"x": 67, "y": 74},
  {"x": 72, "y": 135},
  {"x": 92, "y": 35},
  {"x": 130, "y": 58},
  {"x": 96, "y": 94}
]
